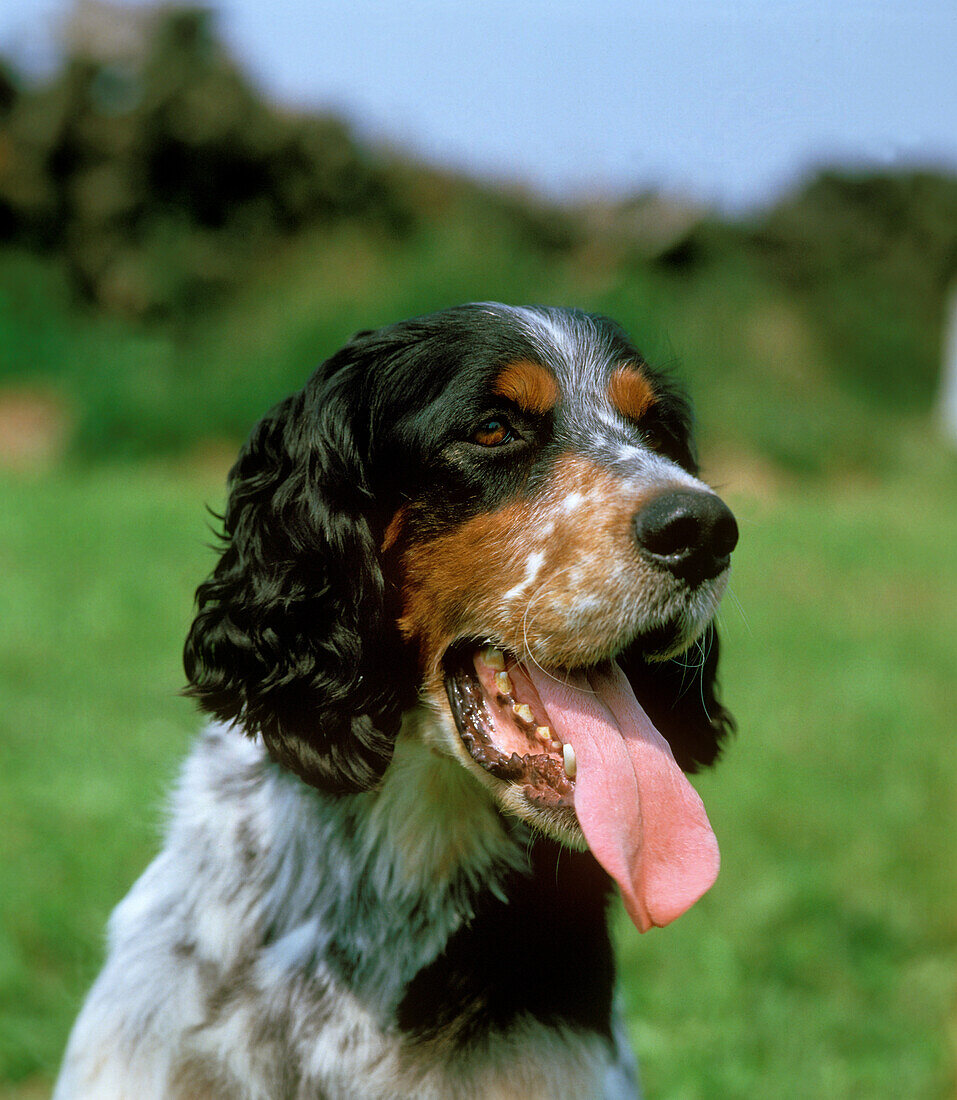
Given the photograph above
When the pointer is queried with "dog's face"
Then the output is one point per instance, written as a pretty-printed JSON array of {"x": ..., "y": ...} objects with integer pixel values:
[{"x": 495, "y": 508}]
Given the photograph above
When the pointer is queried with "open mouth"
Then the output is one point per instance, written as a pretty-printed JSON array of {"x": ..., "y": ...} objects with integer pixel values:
[
  {"x": 579, "y": 741},
  {"x": 504, "y": 727}
]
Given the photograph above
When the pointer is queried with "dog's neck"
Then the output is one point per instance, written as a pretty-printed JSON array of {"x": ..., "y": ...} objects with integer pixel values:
[
  {"x": 371, "y": 885},
  {"x": 418, "y": 910},
  {"x": 430, "y": 827}
]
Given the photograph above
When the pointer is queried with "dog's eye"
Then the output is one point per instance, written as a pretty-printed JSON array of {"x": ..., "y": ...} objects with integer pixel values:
[
  {"x": 493, "y": 432},
  {"x": 655, "y": 436},
  {"x": 671, "y": 444}
]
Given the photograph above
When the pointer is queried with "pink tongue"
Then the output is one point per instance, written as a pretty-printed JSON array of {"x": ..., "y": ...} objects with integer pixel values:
[{"x": 643, "y": 821}]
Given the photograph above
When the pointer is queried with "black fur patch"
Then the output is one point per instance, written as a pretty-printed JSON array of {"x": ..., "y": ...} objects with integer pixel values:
[{"x": 546, "y": 953}]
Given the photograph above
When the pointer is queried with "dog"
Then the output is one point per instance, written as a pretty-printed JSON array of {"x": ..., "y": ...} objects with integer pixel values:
[{"x": 459, "y": 652}]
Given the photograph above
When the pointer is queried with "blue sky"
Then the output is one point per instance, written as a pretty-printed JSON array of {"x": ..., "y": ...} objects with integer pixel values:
[{"x": 718, "y": 102}]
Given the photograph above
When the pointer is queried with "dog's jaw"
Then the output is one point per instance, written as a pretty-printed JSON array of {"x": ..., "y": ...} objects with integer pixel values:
[{"x": 511, "y": 798}]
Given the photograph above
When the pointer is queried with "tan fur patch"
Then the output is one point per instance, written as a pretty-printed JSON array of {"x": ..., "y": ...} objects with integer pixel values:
[
  {"x": 529, "y": 385},
  {"x": 393, "y": 531},
  {"x": 556, "y": 578},
  {"x": 195, "y": 1080},
  {"x": 630, "y": 392}
]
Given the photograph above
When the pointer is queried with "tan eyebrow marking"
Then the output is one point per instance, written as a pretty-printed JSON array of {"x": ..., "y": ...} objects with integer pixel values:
[
  {"x": 630, "y": 392},
  {"x": 529, "y": 385}
]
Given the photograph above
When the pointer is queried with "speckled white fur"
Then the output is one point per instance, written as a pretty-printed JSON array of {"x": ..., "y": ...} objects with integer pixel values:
[{"x": 218, "y": 982}]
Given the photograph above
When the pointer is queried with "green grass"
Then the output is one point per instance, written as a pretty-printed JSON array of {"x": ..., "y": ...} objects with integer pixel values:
[
  {"x": 822, "y": 964},
  {"x": 96, "y": 576}
]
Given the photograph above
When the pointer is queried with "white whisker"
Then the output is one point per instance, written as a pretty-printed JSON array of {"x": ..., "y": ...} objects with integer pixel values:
[
  {"x": 737, "y": 603},
  {"x": 525, "y": 618}
]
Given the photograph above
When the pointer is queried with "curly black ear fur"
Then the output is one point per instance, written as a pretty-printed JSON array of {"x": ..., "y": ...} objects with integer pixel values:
[
  {"x": 681, "y": 698},
  {"x": 292, "y": 638}
]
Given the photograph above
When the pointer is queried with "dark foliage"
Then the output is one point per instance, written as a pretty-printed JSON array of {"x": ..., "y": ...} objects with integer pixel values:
[
  {"x": 873, "y": 257},
  {"x": 160, "y": 171}
]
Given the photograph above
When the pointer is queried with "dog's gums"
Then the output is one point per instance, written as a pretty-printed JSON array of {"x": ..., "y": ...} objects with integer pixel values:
[{"x": 502, "y": 732}]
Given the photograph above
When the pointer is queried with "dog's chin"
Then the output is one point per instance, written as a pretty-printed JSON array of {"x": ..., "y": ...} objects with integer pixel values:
[{"x": 502, "y": 734}]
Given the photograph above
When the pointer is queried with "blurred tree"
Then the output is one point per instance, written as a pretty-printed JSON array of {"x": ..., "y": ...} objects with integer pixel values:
[
  {"x": 160, "y": 171},
  {"x": 871, "y": 256}
]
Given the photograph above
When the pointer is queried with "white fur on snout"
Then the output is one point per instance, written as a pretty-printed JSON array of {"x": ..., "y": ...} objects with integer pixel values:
[{"x": 532, "y": 565}]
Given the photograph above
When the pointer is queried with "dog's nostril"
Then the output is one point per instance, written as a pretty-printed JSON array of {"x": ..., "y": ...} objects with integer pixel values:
[
  {"x": 688, "y": 532},
  {"x": 673, "y": 535}
]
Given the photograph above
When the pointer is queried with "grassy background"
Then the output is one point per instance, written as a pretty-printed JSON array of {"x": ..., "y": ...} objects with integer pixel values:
[{"x": 822, "y": 964}]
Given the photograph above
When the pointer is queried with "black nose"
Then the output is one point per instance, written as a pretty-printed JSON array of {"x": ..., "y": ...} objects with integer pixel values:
[{"x": 688, "y": 532}]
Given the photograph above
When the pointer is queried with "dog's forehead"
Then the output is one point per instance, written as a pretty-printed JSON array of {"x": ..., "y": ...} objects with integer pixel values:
[
  {"x": 584, "y": 363},
  {"x": 584, "y": 368},
  {"x": 579, "y": 349}
]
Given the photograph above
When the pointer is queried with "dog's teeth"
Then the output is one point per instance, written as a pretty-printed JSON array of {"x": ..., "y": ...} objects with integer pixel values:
[
  {"x": 494, "y": 658},
  {"x": 523, "y": 712},
  {"x": 503, "y": 683},
  {"x": 544, "y": 734},
  {"x": 569, "y": 762}
]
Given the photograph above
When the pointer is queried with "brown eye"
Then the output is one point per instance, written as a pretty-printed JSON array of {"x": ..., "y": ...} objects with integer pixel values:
[{"x": 493, "y": 433}]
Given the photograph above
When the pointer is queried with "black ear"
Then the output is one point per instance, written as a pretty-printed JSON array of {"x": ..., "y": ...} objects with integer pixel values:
[
  {"x": 292, "y": 638},
  {"x": 681, "y": 698}
]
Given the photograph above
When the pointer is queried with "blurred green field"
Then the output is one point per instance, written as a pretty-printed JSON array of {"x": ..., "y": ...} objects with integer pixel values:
[{"x": 823, "y": 963}]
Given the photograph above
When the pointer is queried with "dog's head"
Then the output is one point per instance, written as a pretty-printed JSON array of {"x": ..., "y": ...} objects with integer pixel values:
[{"x": 494, "y": 510}]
